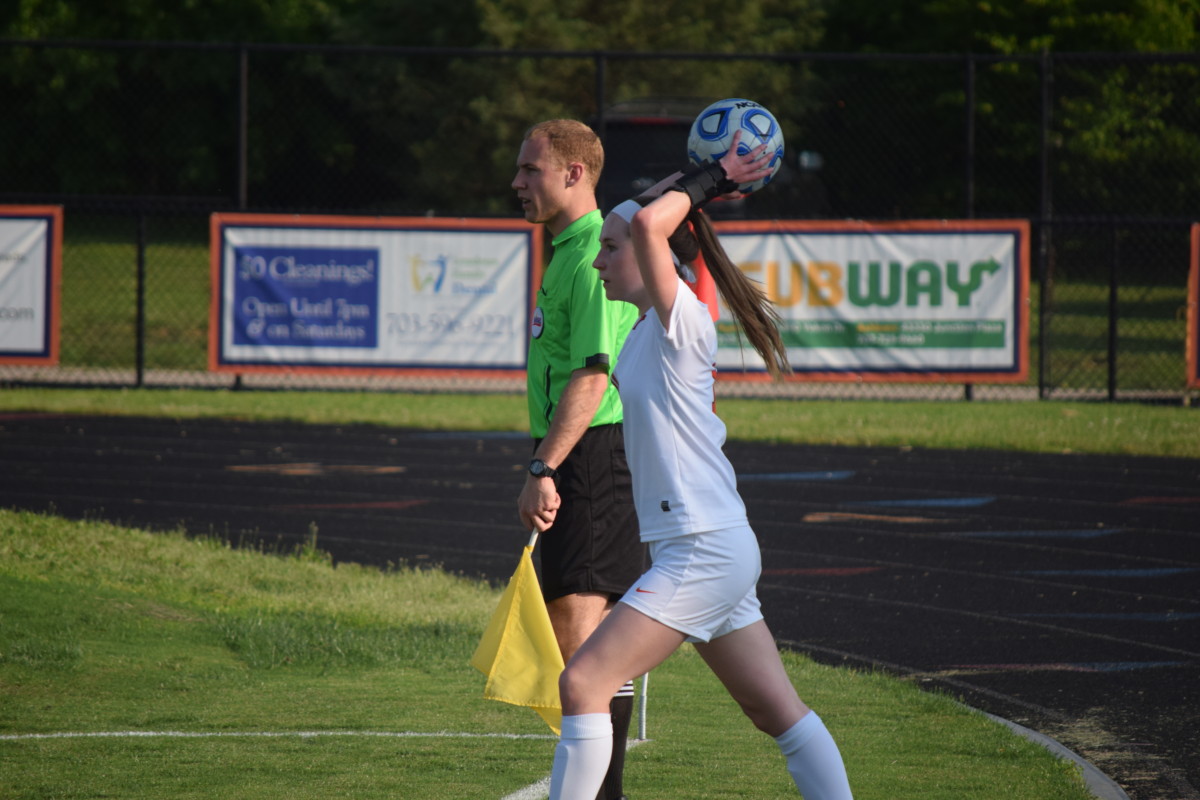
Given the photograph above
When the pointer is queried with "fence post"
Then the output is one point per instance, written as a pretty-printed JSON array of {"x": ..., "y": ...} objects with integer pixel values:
[
  {"x": 1045, "y": 225},
  {"x": 601, "y": 89},
  {"x": 140, "y": 302},
  {"x": 969, "y": 166},
  {"x": 601, "y": 66},
  {"x": 1113, "y": 288},
  {"x": 243, "y": 124},
  {"x": 969, "y": 124}
]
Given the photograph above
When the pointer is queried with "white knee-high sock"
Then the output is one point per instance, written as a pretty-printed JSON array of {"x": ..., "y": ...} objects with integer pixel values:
[
  {"x": 814, "y": 761},
  {"x": 581, "y": 757}
]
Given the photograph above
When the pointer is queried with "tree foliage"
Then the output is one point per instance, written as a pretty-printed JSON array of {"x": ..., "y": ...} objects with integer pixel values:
[
  {"x": 1013, "y": 27},
  {"x": 1126, "y": 137},
  {"x": 634, "y": 29},
  {"x": 370, "y": 125},
  {"x": 170, "y": 20}
]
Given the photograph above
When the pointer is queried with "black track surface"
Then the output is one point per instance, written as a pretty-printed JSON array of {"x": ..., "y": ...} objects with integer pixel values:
[{"x": 1058, "y": 591}]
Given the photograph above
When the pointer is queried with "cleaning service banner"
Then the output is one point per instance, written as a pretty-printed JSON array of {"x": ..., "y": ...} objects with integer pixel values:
[
  {"x": 30, "y": 269},
  {"x": 911, "y": 301},
  {"x": 316, "y": 293}
]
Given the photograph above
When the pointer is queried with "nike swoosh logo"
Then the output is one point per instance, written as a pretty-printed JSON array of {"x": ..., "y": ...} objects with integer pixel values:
[{"x": 645, "y": 591}]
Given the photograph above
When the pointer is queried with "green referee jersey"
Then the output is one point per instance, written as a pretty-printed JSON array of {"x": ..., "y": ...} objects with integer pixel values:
[{"x": 574, "y": 325}]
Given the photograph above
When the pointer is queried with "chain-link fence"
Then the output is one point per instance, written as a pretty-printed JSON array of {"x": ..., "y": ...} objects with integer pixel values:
[{"x": 140, "y": 143}]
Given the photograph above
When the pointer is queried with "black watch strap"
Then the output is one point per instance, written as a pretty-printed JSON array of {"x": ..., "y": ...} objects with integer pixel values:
[{"x": 540, "y": 469}]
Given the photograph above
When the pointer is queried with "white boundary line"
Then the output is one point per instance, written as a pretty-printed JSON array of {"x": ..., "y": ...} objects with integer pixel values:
[
  {"x": 266, "y": 734},
  {"x": 540, "y": 790},
  {"x": 535, "y": 791}
]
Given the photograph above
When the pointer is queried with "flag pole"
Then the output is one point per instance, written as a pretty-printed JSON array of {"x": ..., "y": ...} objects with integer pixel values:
[
  {"x": 642, "y": 700},
  {"x": 642, "y": 707},
  {"x": 518, "y": 652}
]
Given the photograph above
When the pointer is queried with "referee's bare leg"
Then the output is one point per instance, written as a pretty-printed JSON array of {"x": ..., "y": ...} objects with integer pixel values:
[{"x": 574, "y": 617}]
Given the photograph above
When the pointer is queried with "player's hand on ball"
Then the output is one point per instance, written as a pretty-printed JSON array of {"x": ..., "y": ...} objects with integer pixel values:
[
  {"x": 745, "y": 169},
  {"x": 734, "y": 124}
]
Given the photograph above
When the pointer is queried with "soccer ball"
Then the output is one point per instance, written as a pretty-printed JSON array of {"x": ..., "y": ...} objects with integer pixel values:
[{"x": 712, "y": 135}]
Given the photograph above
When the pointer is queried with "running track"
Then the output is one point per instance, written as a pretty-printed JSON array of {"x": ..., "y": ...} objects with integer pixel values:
[{"x": 1061, "y": 592}]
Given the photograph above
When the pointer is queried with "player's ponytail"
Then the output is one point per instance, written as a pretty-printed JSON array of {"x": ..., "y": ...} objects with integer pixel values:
[{"x": 754, "y": 312}]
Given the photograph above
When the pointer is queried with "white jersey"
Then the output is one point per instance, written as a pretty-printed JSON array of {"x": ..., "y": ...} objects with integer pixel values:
[{"x": 682, "y": 481}]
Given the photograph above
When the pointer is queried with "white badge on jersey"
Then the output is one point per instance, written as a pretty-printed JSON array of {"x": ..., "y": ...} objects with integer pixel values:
[{"x": 538, "y": 323}]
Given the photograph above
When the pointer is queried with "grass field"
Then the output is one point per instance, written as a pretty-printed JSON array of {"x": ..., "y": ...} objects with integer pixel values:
[
  {"x": 286, "y": 677},
  {"x": 1050, "y": 427},
  {"x": 99, "y": 293},
  {"x": 251, "y": 675},
  {"x": 1151, "y": 330}
]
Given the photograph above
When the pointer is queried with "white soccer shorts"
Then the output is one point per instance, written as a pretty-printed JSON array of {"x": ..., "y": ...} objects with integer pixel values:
[{"x": 703, "y": 584}]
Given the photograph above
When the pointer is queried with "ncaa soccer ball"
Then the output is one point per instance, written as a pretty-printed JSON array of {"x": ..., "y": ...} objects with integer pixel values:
[{"x": 712, "y": 135}]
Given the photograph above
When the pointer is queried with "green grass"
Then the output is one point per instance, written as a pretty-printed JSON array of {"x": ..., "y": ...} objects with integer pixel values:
[
  {"x": 106, "y": 629},
  {"x": 1046, "y": 427},
  {"x": 1151, "y": 330},
  {"x": 99, "y": 293}
]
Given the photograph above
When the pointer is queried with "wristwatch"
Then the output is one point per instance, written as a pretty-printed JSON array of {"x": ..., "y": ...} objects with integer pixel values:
[{"x": 540, "y": 469}]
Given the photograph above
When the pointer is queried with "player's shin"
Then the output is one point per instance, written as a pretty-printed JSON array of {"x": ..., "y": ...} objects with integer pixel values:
[
  {"x": 814, "y": 761},
  {"x": 581, "y": 757}
]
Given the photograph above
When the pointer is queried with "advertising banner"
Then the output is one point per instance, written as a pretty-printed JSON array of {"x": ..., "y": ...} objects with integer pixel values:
[
  {"x": 386, "y": 294},
  {"x": 911, "y": 301},
  {"x": 30, "y": 270},
  {"x": 1193, "y": 312}
]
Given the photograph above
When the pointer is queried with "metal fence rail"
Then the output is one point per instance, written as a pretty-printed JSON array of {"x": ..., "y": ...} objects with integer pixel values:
[{"x": 141, "y": 142}]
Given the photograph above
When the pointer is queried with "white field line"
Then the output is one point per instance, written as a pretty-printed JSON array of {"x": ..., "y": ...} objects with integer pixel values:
[
  {"x": 540, "y": 790},
  {"x": 267, "y": 734},
  {"x": 535, "y": 791}
]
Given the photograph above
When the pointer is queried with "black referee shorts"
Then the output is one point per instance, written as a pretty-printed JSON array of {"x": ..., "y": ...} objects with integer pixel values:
[{"x": 593, "y": 545}]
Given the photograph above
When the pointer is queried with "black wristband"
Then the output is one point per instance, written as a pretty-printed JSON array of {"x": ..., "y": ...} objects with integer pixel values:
[
  {"x": 540, "y": 469},
  {"x": 703, "y": 183}
]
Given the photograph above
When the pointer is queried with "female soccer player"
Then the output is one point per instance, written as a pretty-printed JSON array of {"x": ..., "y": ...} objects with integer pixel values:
[{"x": 706, "y": 562}]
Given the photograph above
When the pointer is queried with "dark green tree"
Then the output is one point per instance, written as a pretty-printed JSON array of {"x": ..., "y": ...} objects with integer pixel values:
[
  {"x": 382, "y": 128},
  {"x": 116, "y": 120},
  {"x": 447, "y": 127},
  {"x": 1126, "y": 135}
]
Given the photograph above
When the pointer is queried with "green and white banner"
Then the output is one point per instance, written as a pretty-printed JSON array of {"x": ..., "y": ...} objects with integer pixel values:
[{"x": 904, "y": 301}]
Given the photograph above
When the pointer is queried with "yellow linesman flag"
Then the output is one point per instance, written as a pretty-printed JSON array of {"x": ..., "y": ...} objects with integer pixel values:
[{"x": 518, "y": 652}]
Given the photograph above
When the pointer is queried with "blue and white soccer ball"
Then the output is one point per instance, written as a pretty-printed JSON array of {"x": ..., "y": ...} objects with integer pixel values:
[{"x": 712, "y": 135}]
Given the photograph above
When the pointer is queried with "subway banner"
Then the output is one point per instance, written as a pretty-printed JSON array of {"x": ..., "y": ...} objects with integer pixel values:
[
  {"x": 312, "y": 293},
  {"x": 934, "y": 301},
  {"x": 30, "y": 277},
  {"x": 1193, "y": 312}
]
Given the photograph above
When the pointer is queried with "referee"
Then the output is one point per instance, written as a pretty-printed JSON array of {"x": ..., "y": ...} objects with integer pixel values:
[{"x": 578, "y": 492}]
